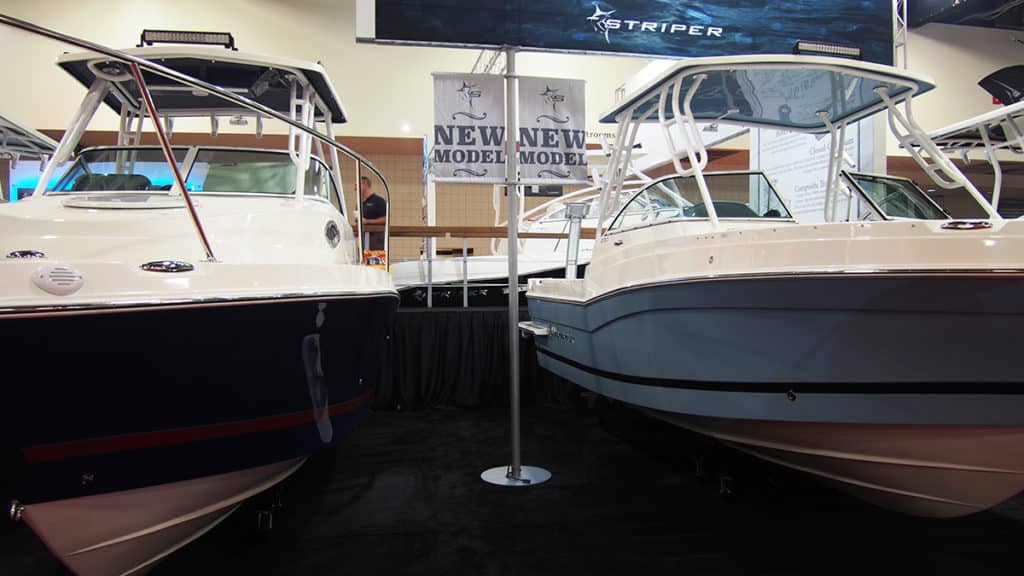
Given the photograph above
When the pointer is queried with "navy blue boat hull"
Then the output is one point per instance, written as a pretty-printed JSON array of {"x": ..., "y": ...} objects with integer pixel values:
[{"x": 116, "y": 400}]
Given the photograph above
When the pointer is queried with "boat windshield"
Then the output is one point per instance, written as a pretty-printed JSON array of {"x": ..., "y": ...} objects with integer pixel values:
[
  {"x": 119, "y": 170},
  {"x": 236, "y": 171},
  {"x": 736, "y": 195},
  {"x": 897, "y": 197},
  {"x": 210, "y": 171},
  {"x": 242, "y": 171}
]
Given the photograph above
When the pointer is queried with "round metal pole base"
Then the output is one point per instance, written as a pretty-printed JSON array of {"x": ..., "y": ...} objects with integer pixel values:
[{"x": 528, "y": 476}]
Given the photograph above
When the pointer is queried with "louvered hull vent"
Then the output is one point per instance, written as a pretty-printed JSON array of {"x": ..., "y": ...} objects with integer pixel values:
[{"x": 58, "y": 279}]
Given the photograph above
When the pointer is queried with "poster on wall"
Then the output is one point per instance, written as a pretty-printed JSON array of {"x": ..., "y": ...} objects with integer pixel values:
[
  {"x": 639, "y": 27},
  {"x": 552, "y": 131},
  {"x": 469, "y": 128},
  {"x": 797, "y": 165}
]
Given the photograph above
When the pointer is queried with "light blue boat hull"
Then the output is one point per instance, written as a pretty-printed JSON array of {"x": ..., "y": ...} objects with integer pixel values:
[{"x": 904, "y": 388}]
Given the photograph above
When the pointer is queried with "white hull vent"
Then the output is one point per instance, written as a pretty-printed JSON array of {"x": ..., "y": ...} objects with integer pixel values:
[{"x": 58, "y": 279}]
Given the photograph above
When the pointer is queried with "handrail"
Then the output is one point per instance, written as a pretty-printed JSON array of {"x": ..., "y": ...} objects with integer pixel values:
[
  {"x": 169, "y": 155},
  {"x": 205, "y": 86},
  {"x": 471, "y": 232}
]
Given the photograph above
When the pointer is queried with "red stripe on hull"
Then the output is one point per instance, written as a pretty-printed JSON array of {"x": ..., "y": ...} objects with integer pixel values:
[{"x": 126, "y": 442}]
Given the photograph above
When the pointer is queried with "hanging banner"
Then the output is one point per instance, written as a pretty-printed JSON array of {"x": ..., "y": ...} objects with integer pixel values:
[
  {"x": 639, "y": 27},
  {"x": 469, "y": 128},
  {"x": 552, "y": 131}
]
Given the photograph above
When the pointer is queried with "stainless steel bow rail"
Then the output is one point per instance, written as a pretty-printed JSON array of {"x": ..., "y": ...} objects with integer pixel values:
[{"x": 137, "y": 63}]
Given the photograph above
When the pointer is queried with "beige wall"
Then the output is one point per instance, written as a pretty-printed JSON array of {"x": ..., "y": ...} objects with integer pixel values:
[
  {"x": 956, "y": 57},
  {"x": 457, "y": 205},
  {"x": 383, "y": 87},
  {"x": 386, "y": 87}
]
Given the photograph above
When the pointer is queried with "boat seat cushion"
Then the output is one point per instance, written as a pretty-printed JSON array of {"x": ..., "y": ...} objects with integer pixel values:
[
  {"x": 724, "y": 210},
  {"x": 111, "y": 182}
]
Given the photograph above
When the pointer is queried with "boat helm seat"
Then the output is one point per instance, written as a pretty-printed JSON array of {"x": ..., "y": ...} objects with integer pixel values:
[
  {"x": 723, "y": 209},
  {"x": 111, "y": 182}
]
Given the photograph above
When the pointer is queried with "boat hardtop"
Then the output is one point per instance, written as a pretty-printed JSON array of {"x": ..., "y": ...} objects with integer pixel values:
[
  {"x": 1001, "y": 127},
  {"x": 16, "y": 140},
  {"x": 788, "y": 92},
  {"x": 261, "y": 78},
  {"x": 998, "y": 130},
  {"x": 798, "y": 93}
]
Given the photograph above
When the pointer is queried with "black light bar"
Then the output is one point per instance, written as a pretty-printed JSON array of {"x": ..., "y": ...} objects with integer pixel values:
[
  {"x": 826, "y": 49},
  {"x": 150, "y": 37}
]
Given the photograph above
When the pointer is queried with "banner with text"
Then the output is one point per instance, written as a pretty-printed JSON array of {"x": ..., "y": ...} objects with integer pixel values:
[
  {"x": 641, "y": 27},
  {"x": 552, "y": 131},
  {"x": 469, "y": 128}
]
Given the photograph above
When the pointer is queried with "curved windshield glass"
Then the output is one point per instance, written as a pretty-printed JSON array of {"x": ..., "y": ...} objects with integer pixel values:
[
  {"x": 119, "y": 170},
  {"x": 213, "y": 170},
  {"x": 237, "y": 171},
  {"x": 898, "y": 198},
  {"x": 242, "y": 171},
  {"x": 736, "y": 195}
]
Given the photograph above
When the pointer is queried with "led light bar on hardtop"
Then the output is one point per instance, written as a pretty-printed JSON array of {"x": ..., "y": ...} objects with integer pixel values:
[{"x": 151, "y": 37}]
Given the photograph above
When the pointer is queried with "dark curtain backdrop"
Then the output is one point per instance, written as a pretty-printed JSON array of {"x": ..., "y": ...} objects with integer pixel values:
[{"x": 459, "y": 358}]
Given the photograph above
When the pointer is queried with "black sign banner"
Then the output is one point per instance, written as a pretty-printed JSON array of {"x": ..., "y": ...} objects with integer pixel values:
[{"x": 639, "y": 27}]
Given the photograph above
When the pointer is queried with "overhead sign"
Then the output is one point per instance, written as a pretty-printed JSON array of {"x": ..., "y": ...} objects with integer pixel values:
[
  {"x": 552, "y": 131},
  {"x": 469, "y": 128},
  {"x": 640, "y": 27}
]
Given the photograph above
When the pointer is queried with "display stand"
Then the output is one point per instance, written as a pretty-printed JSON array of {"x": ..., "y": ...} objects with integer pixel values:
[{"x": 515, "y": 474}]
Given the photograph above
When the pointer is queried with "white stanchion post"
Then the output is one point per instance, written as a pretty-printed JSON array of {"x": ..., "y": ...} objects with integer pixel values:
[
  {"x": 515, "y": 474},
  {"x": 575, "y": 211}
]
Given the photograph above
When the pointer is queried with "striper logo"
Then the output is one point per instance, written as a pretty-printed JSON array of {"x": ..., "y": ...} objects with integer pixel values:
[
  {"x": 552, "y": 97},
  {"x": 606, "y": 20},
  {"x": 467, "y": 94},
  {"x": 600, "y": 20}
]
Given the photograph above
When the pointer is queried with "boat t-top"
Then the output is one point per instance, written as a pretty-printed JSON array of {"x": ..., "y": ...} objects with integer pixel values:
[
  {"x": 848, "y": 349},
  {"x": 187, "y": 323},
  {"x": 18, "y": 141},
  {"x": 1000, "y": 130}
]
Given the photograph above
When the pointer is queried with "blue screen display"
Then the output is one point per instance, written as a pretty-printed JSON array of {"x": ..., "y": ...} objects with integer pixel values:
[{"x": 648, "y": 27}]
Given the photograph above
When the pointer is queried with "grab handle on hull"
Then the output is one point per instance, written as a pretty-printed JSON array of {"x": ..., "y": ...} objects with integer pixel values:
[{"x": 534, "y": 329}]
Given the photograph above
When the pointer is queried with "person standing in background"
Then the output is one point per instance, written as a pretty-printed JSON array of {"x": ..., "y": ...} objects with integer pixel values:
[{"x": 374, "y": 211}]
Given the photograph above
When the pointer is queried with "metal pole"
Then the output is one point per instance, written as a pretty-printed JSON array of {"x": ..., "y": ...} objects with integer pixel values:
[
  {"x": 515, "y": 474},
  {"x": 465, "y": 274},
  {"x": 430, "y": 272},
  {"x": 511, "y": 189}
]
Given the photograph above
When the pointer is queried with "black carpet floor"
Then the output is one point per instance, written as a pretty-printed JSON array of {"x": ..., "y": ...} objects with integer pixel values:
[{"x": 403, "y": 496}]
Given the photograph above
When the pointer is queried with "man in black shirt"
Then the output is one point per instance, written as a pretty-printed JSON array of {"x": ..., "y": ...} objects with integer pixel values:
[{"x": 374, "y": 211}]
